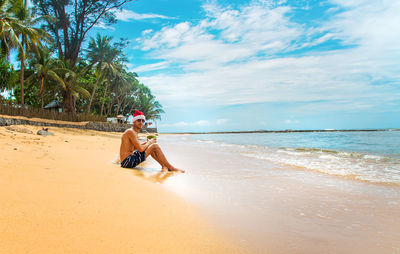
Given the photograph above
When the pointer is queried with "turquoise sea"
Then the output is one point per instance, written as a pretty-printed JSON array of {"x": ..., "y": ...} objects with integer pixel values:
[
  {"x": 299, "y": 192},
  {"x": 368, "y": 156}
]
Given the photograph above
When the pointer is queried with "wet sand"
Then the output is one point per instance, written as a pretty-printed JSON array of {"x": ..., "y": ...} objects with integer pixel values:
[
  {"x": 272, "y": 208},
  {"x": 63, "y": 194}
]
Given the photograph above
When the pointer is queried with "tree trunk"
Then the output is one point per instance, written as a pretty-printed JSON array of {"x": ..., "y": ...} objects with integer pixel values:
[
  {"x": 92, "y": 96},
  {"x": 94, "y": 89},
  {"x": 104, "y": 97},
  {"x": 122, "y": 105},
  {"x": 118, "y": 106},
  {"x": 130, "y": 111},
  {"x": 60, "y": 51},
  {"x": 71, "y": 104},
  {"x": 41, "y": 91},
  {"x": 68, "y": 102},
  {"x": 22, "y": 84},
  {"x": 110, "y": 106}
]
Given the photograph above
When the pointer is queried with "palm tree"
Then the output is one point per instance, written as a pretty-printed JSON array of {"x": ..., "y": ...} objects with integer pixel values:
[
  {"x": 6, "y": 73},
  {"x": 134, "y": 102},
  {"x": 151, "y": 108},
  {"x": 8, "y": 27},
  {"x": 109, "y": 60},
  {"x": 98, "y": 49},
  {"x": 71, "y": 84},
  {"x": 16, "y": 31},
  {"x": 30, "y": 36},
  {"x": 138, "y": 97},
  {"x": 122, "y": 90},
  {"x": 116, "y": 75},
  {"x": 44, "y": 67}
]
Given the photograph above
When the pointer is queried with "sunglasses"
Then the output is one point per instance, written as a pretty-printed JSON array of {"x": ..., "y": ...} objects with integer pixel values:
[{"x": 141, "y": 120}]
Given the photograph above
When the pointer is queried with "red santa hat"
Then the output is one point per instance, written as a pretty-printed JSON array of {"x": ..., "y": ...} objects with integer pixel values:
[{"x": 138, "y": 115}]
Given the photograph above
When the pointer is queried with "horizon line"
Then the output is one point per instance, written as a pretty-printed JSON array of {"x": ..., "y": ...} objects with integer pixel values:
[{"x": 284, "y": 131}]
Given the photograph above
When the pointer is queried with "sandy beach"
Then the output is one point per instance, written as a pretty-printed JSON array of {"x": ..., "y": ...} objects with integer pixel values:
[{"x": 64, "y": 194}]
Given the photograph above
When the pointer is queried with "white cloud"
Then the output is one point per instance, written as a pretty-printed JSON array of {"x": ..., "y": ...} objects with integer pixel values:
[
  {"x": 200, "y": 123},
  {"x": 149, "y": 67},
  {"x": 326, "y": 77},
  {"x": 292, "y": 121},
  {"x": 371, "y": 24},
  {"x": 228, "y": 58},
  {"x": 102, "y": 25},
  {"x": 222, "y": 121},
  {"x": 147, "y": 31},
  {"x": 254, "y": 29},
  {"x": 128, "y": 15},
  {"x": 186, "y": 124}
]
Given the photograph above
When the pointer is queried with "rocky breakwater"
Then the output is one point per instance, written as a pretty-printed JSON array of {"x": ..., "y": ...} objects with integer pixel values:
[{"x": 98, "y": 126}]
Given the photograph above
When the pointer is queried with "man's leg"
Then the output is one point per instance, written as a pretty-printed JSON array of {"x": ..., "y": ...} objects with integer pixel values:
[
  {"x": 151, "y": 150},
  {"x": 155, "y": 151}
]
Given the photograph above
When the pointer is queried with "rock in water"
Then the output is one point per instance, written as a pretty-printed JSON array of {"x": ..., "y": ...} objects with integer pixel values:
[
  {"x": 19, "y": 129},
  {"x": 44, "y": 133}
]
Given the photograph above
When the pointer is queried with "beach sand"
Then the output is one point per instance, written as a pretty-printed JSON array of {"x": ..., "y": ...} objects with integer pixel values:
[{"x": 64, "y": 194}]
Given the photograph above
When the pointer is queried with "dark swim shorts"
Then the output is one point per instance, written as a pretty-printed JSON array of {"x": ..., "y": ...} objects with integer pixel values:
[{"x": 133, "y": 160}]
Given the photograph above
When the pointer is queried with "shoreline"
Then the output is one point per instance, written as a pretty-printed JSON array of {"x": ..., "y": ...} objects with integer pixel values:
[
  {"x": 63, "y": 194},
  {"x": 276, "y": 208},
  {"x": 281, "y": 131}
]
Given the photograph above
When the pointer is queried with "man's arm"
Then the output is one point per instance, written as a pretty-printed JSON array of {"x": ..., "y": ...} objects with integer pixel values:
[{"x": 140, "y": 147}]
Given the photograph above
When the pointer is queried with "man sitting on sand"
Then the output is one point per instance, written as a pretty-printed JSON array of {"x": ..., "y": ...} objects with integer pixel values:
[{"x": 132, "y": 153}]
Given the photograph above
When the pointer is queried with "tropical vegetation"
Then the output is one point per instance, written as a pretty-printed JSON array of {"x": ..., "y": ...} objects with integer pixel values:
[{"x": 54, "y": 64}]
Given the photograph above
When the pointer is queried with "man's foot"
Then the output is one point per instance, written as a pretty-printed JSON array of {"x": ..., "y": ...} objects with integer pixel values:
[
  {"x": 176, "y": 170},
  {"x": 163, "y": 169}
]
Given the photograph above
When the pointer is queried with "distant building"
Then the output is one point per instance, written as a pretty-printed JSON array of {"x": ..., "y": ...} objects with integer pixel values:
[
  {"x": 112, "y": 120},
  {"x": 54, "y": 106}
]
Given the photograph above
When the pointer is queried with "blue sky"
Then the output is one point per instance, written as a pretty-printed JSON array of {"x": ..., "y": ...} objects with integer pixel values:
[{"x": 247, "y": 65}]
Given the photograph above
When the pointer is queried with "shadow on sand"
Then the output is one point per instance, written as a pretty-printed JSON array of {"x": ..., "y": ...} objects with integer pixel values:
[{"x": 152, "y": 174}]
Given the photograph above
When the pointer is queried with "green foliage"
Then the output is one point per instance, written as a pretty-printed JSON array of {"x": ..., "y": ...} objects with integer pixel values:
[
  {"x": 151, "y": 108},
  {"x": 17, "y": 31},
  {"x": 71, "y": 84},
  {"x": 101, "y": 84},
  {"x": 43, "y": 68},
  {"x": 74, "y": 20},
  {"x": 7, "y": 73},
  {"x": 9, "y": 26},
  {"x": 108, "y": 60},
  {"x": 30, "y": 95}
]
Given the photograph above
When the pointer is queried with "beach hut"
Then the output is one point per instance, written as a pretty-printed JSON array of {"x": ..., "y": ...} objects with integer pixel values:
[
  {"x": 121, "y": 119},
  {"x": 54, "y": 106},
  {"x": 112, "y": 119}
]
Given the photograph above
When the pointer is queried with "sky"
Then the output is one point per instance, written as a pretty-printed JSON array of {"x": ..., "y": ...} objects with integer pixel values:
[{"x": 233, "y": 65}]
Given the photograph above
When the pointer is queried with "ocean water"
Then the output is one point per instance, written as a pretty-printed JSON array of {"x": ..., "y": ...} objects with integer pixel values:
[
  {"x": 329, "y": 192},
  {"x": 366, "y": 156}
]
